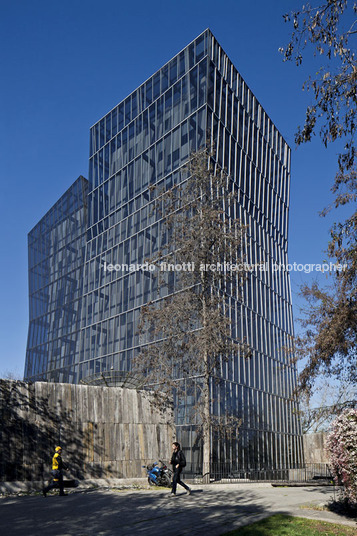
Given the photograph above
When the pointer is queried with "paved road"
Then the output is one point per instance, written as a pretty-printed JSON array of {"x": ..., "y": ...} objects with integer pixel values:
[{"x": 209, "y": 510}]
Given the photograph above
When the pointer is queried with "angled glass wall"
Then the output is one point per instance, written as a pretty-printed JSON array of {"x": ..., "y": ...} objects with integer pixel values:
[
  {"x": 142, "y": 142},
  {"x": 260, "y": 389},
  {"x": 56, "y": 247}
]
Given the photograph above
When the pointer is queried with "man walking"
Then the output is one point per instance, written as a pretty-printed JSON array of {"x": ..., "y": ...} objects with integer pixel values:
[
  {"x": 178, "y": 462},
  {"x": 58, "y": 466}
]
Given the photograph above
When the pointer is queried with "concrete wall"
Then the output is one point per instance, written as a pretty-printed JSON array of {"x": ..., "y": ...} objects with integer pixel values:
[
  {"x": 314, "y": 448},
  {"x": 105, "y": 432}
]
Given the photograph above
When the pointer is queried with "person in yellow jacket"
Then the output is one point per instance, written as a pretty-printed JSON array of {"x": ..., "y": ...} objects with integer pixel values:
[{"x": 58, "y": 466}]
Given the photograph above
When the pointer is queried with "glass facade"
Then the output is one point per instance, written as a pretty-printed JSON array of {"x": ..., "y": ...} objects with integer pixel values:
[
  {"x": 195, "y": 98},
  {"x": 56, "y": 247}
]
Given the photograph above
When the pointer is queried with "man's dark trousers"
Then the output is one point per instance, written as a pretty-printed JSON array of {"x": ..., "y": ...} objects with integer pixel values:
[
  {"x": 177, "y": 480},
  {"x": 57, "y": 482}
]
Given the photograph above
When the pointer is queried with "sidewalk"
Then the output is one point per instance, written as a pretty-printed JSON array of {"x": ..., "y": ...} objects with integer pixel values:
[{"x": 210, "y": 510}]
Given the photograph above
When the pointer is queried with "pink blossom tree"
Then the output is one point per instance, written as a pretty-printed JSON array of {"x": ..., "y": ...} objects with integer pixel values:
[{"x": 342, "y": 450}]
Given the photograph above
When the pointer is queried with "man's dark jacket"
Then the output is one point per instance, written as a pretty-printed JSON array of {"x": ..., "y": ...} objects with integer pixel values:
[{"x": 178, "y": 458}]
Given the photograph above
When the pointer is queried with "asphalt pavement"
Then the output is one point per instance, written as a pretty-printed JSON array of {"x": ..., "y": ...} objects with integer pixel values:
[{"x": 210, "y": 510}]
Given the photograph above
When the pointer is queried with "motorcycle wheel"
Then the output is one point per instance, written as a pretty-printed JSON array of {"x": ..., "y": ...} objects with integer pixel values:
[
  {"x": 165, "y": 481},
  {"x": 151, "y": 483}
]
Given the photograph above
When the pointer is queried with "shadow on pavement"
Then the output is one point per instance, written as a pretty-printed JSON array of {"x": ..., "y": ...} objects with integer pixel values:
[{"x": 124, "y": 513}]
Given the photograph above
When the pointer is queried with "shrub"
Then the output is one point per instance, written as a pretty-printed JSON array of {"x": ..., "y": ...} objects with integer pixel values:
[{"x": 342, "y": 449}]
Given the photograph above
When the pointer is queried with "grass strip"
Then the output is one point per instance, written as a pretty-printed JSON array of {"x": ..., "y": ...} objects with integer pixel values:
[{"x": 283, "y": 525}]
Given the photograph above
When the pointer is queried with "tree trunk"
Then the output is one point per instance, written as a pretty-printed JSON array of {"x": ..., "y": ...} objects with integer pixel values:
[
  {"x": 206, "y": 458},
  {"x": 206, "y": 432}
]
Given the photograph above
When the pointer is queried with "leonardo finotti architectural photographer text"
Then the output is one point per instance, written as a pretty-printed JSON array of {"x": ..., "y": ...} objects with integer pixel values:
[{"x": 224, "y": 267}]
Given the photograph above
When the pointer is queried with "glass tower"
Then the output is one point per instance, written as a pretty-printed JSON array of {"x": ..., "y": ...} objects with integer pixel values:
[{"x": 196, "y": 98}]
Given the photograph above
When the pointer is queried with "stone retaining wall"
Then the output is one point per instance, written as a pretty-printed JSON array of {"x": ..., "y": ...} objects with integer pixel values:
[
  {"x": 105, "y": 432},
  {"x": 314, "y": 447}
]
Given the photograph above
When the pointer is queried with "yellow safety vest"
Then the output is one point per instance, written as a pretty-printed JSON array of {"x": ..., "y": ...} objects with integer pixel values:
[{"x": 55, "y": 464}]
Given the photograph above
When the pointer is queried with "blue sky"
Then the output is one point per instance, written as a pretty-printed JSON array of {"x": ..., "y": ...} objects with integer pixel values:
[{"x": 65, "y": 64}]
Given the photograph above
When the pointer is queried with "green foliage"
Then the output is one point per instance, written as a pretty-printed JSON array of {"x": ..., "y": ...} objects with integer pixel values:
[
  {"x": 330, "y": 338},
  {"x": 279, "y": 525},
  {"x": 329, "y": 28}
]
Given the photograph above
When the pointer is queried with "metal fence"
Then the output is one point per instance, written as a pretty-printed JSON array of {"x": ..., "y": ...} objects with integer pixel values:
[{"x": 312, "y": 473}]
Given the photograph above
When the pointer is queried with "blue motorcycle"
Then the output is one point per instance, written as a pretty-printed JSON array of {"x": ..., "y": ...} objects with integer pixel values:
[{"x": 159, "y": 476}]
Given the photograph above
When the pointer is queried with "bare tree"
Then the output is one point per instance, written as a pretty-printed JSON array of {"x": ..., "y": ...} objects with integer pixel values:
[
  {"x": 11, "y": 375},
  {"x": 329, "y": 400},
  {"x": 329, "y": 30},
  {"x": 186, "y": 336}
]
